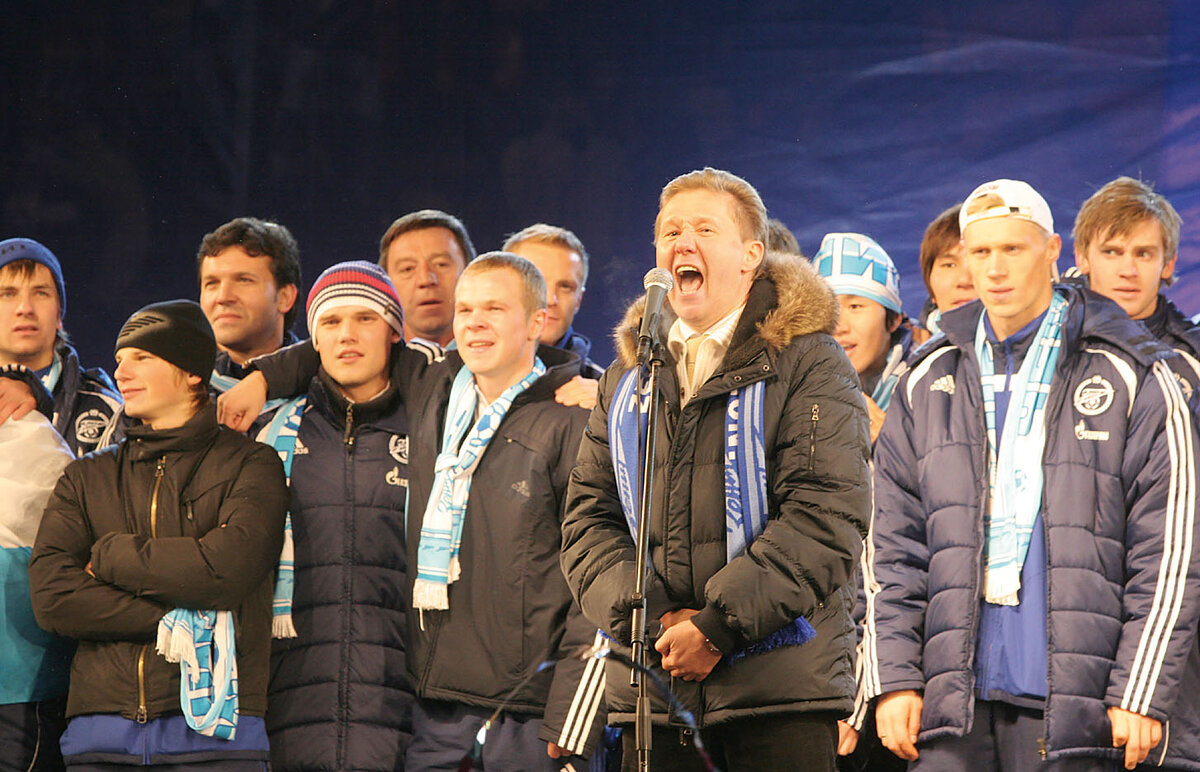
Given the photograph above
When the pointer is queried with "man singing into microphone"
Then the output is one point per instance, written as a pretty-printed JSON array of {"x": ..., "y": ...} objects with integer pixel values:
[{"x": 761, "y": 501}]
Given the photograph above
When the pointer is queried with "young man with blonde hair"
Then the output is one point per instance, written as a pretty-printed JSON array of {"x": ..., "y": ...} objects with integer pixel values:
[
  {"x": 1033, "y": 593},
  {"x": 753, "y": 379},
  {"x": 1126, "y": 244}
]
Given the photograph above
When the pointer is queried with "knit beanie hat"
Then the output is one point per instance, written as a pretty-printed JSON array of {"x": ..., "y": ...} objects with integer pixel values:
[
  {"x": 355, "y": 283},
  {"x": 28, "y": 249},
  {"x": 175, "y": 330},
  {"x": 854, "y": 264}
]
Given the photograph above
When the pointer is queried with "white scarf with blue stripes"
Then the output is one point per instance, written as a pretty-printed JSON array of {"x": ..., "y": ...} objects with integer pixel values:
[{"x": 1015, "y": 475}]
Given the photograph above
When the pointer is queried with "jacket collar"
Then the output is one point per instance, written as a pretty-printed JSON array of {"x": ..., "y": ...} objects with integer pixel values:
[
  {"x": 198, "y": 432},
  {"x": 561, "y": 366},
  {"x": 787, "y": 299},
  {"x": 328, "y": 397},
  {"x": 1090, "y": 318}
]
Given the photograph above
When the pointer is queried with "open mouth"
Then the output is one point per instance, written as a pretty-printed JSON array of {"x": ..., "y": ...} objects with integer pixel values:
[{"x": 688, "y": 279}]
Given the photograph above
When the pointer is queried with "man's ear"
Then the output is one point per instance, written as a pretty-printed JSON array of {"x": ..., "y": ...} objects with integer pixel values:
[
  {"x": 285, "y": 298},
  {"x": 537, "y": 324},
  {"x": 1082, "y": 262},
  {"x": 1169, "y": 268},
  {"x": 753, "y": 256}
]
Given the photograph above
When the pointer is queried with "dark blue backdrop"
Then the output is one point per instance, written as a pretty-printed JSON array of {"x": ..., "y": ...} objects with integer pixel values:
[{"x": 127, "y": 134}]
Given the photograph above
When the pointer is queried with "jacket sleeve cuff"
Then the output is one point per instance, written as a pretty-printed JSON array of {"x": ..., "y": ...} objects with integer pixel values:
[
  {"x": 709, "y": 621},
  {"x": 45, "y": 402}
]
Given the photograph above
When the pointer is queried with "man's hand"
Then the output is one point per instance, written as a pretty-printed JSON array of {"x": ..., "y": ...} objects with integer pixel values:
[
  {"x": 876, "y": 414},
  {"x": 578, "y": 391},
  {"x": 556, "y": 751},
  {"x": 684, "y": 653},
  {"x": 1136, "y": 732},
  {"x": 898, "y": 720},
  {"x": 238, "y": 407},
  {"x": 847, "y": 739},
  {"x": 16, "y": 399}
]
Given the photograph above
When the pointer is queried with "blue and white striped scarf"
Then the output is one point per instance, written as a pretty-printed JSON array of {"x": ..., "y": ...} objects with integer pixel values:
[
  {"x": 1015, "y": 475},
  {"x": 441, "y": 528},
  {"x": 746, "y": 506},
  {"x": 281, "y": 434},
  {"x": 202, "y": 642},
  {"x": 223, "y": 383}
]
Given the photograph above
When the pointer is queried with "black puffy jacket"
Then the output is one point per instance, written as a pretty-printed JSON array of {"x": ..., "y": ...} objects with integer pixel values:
[
  {"x": 340, "y": 694},
  {"x": 189, "y": 517},
  {"x": 802, "y": 564}
]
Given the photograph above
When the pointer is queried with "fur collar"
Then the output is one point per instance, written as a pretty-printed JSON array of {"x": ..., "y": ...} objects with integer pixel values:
[{"x": 799, "y": 302}]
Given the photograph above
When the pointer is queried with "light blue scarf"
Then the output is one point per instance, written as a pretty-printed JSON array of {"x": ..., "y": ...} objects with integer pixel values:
[
  {"x": 202, "y": 642},
  {"x": 223, "y": 383},
  {"x": 282, "y": 434},
  {"x": 746, "y": 505},
  {"x": 1015, "y": 475},
  {"x": 441, "y": 528}
]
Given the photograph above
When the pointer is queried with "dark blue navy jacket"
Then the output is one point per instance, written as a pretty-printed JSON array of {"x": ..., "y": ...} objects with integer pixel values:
[
  {"x": 340, "y": 696},
  {"x": 1119, "y": 513}
]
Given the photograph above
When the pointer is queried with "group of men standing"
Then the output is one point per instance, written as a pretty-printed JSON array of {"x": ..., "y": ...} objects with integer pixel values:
[{"x": 439, "y": 517}]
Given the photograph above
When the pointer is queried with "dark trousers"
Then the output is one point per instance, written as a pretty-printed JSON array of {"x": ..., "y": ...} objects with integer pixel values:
[
  {"x": 444, "y": 733},
  {"x": 1004, "y": 738},
  {"x": 804, "y": 741},
  {"x": 29, "y": 733}
]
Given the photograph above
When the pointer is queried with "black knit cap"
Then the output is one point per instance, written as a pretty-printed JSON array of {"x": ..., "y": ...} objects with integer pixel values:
[{"x": 175, "y": 330}]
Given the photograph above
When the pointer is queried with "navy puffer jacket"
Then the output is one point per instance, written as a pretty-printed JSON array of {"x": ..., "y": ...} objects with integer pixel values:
[
  {"x": 340, "y": 697},
  {"x": 1119, "y": 510}
]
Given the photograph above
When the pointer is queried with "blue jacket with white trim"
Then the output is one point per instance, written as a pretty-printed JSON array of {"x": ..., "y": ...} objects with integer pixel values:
[{"x": 1119, "y": 507}]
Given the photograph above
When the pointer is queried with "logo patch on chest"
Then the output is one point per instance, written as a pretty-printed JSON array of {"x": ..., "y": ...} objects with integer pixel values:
[
  {"x": 89, "y": 426},
  {"x": 1094, "y": 396},
  {"x": 398, "y": 448}
]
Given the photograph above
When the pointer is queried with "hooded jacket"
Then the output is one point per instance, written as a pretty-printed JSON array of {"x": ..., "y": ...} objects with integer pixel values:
[
  {"x": 1123, "y": 587},
  {"x": 510, "y": 610},
  {"x": 179, "y": 518},
  {"x": 803, "y": 562}
]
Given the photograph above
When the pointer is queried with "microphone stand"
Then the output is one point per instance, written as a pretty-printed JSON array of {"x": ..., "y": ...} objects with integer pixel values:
[{"x": 649, "y": 410}]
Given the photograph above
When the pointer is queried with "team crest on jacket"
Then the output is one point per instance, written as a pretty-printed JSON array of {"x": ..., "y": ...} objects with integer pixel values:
[
  {"x": 398, "y": 448},
  {"x": 90, "y": 425},
  {"x": 1093, "y": 396}
]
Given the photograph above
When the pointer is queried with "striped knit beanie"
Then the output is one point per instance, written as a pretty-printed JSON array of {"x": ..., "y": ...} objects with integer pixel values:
[{"x": 355, "y": 283}]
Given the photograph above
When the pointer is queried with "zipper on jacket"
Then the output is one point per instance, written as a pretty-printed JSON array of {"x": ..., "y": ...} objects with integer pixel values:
[
  {"x": 159, "y": 469},
  {"x": 1042, "y": 747},
  {"x": 158, "y": 476},
  {"x": 142, "y": 716},
  {"x": 812, "y": 436},
  {"x": 348, "y": 435}
]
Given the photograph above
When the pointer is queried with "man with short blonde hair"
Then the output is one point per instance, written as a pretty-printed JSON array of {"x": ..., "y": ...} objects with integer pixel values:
[
  {"x": 1045, "y": 624},
  {"x": 559, "y": 255}
]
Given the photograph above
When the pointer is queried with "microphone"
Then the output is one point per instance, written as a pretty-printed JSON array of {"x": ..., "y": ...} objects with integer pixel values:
[{"x": 658, "y": 283}]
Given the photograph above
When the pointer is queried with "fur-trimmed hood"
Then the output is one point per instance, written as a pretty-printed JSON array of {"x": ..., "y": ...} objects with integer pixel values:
[{"x": 803, "y": 304}]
